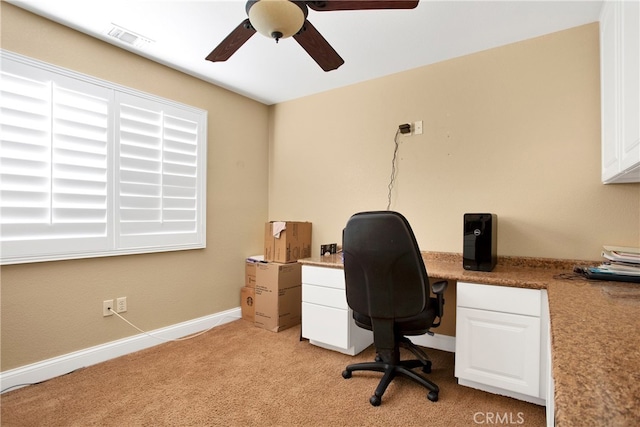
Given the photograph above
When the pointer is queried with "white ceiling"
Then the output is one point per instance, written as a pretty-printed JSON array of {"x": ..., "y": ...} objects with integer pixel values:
[{"x": 372, "y": 43}]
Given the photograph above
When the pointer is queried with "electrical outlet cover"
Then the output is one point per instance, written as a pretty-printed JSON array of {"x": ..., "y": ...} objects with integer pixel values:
[
  {"x": 106, "y": 305},
  {"x": 121, "y": 305}
]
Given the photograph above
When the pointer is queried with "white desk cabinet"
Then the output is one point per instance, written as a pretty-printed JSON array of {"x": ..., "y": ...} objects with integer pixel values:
[
  {"x": 501, "y": 343},
  {"x": 327, "y": 320},
  {"x": 620, "y": 88}
]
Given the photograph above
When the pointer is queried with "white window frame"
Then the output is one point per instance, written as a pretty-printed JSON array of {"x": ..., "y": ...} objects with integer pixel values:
[{"x": 164, "y": 210}]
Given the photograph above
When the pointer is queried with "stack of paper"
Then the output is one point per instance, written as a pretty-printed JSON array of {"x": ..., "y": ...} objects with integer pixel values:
[
  {"x": 622, "y": 255},
  {"x": 621, "y": 263}
]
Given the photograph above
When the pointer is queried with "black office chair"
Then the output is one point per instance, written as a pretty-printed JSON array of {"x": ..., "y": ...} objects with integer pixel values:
[{"x": 388, "y": 290}]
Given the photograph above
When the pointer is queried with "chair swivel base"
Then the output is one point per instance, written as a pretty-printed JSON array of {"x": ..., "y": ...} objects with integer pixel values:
[
  {"x": 390, "y": 371},
  {"x": 405, "y": 342}
]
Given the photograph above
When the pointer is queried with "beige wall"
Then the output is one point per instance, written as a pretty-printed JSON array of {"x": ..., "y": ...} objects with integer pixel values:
[
  {"x": 54, "y": 308},
  {"x": 513, "y": 130}
]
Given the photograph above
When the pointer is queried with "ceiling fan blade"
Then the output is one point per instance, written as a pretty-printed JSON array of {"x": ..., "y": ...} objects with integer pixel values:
[
  {"x": 329, "y": 5},
  {"x": 232, "y": 42},
  {"x": 318, "y": 48}
]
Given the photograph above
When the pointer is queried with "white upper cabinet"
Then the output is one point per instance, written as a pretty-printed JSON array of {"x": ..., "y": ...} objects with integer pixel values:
[{"x": 620, "y": 77}]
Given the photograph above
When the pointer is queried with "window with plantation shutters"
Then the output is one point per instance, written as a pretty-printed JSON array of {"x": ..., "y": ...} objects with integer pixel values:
[
  {"x": 88, "y": 168},
  {"x": 157, "y": 175}
]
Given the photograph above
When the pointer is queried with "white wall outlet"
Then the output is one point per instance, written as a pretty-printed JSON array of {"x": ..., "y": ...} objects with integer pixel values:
[
  {"x": 107, "y": 306},
  {"x": 417, "y": 127},
  {"x": 121, "y": 305}
]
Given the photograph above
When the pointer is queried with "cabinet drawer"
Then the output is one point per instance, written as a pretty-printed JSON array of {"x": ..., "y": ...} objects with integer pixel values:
[
  {"x": 499, "y": 298},
  {"x": 325, "y": 324},
  {"x": 321, "y": 295},
  {"x": 330, "y": 277}
]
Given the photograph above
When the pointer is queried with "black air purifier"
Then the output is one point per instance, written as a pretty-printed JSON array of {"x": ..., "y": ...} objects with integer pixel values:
[{"x": 479, "y": 252}]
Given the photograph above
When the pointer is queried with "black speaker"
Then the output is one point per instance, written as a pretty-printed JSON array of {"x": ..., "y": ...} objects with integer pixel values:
[{"x": 479, "y": 252}]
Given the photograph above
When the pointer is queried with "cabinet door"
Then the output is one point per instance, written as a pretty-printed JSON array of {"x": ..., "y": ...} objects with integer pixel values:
[
  {"x": 630, "y": 50},
  {"x": 609, "y": 81},
  {"x": 498, "y": 349},
  {"x": 620, "y": 91}
]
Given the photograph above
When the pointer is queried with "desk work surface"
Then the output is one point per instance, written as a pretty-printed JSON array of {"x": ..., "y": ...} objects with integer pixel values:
[{"x": 595, "y": 332}]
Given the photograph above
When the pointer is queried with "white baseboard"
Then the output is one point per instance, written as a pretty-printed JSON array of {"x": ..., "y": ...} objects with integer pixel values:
[
  {"x": 54, "y": 367},
  {"x": 437, "y": 341}
]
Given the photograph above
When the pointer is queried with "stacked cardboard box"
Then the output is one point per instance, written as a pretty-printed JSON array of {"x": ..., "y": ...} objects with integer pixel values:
[
  {"x": 250, "y": 271},
  {"x": 247, "y": 303},
  {"x": 287, "y": 241},
  {"x": 272, "y": 295},
  {"x": 278, "y": 295},
  {"x": 248, "y": 292}
]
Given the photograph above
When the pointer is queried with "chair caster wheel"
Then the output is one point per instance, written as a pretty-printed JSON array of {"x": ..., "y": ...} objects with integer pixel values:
[
  {"x": 346, "y": 374},
  {"x": 432, "y": 396},
  {"x": 427, "y": 367},
  {"x": 375, "y": 400}
]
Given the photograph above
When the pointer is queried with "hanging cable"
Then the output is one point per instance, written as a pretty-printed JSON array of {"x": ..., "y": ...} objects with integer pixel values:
[{"x": 392, "y": 180}]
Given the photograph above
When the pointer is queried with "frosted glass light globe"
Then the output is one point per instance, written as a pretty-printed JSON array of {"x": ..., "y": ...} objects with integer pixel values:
[{"x": 277, "y": 18}]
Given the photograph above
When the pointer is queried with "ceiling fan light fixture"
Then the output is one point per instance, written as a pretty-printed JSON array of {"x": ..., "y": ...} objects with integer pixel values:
[{"x": 277, "y": 18}]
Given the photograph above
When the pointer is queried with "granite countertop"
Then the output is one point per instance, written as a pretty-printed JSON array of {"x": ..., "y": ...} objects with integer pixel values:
[{"x": 595, "y": 332}]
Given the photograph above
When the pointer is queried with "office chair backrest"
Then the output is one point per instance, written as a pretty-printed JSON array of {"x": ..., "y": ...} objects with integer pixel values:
[{"x": 384, "y": 271}]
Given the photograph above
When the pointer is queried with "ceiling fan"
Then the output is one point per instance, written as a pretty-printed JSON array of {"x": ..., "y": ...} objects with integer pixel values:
[{"x": 285, "y": 18}]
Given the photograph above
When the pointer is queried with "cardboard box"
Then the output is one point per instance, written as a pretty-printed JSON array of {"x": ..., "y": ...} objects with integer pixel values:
[
  {"x": 250, "y": 270},
  {"x": 292, "y": 243},
  {"x": 278, "y": 300},
  {"x": 247, "y": 303},
  {"x": 250, "y": 273}
]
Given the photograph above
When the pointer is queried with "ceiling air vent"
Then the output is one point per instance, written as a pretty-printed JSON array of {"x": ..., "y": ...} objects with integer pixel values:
[{"x": 128, "y": 37}]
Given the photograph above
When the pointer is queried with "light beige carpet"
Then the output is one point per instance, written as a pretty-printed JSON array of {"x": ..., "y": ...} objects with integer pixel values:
[{"x": 240, "y": 375}]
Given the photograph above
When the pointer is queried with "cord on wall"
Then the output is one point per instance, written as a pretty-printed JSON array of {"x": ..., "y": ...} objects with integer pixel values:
[
  {"x": 392, "y": 180},
  {"x": 188, "y": 337}
]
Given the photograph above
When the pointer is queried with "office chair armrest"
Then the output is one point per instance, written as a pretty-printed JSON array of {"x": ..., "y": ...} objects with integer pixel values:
[{"x": 438, "y": 289}]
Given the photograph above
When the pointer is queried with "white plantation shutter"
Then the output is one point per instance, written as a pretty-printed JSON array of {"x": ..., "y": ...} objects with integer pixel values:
[
  {"x": 53, "y": 176},
  {"x": 157, "y": 180},
  {"x": 79, "y": 167},
  {"x": 88, "y": 168},
  {"x": 25, "y": 164}
]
